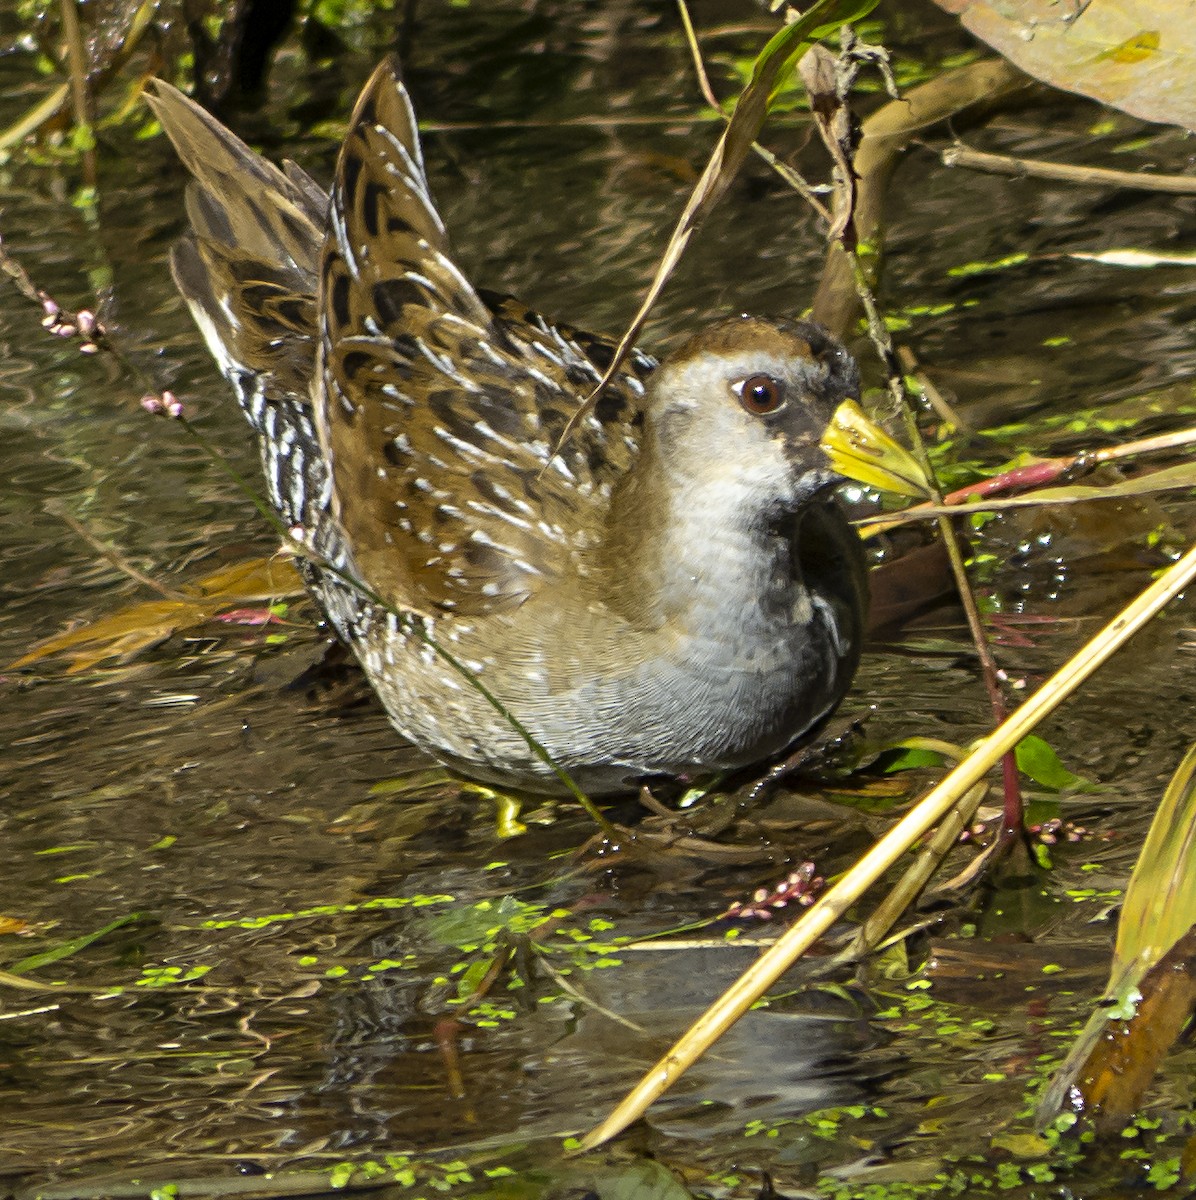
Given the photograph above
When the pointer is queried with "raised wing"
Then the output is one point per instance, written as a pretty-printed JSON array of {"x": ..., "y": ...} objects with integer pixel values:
[{"x": 438, "y": 413}]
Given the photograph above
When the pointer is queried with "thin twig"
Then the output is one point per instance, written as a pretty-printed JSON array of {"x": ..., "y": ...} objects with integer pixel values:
[
  {"x": 573, "y": 990},
  {"x": 45, "y": 109},
  {"x": 989, "y": 671},
  {"x": 903, "y": 893},
  {"x": 960, "y": 155},
  {"x": 935, "y": 398},
  {"x": 590, "y": 121},
  {"x": 829, "y": 89},
  {"x": 958, "y": 94},
  {"x": 19, "y": 276},
  {"x": 980, "y": 496},
  {"x": 114, "y": 556}
]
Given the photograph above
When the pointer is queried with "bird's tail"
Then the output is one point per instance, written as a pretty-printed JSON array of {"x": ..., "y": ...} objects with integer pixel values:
[
  {"x": 249, "y": 266},
  {"x": 249, "y": 271}
]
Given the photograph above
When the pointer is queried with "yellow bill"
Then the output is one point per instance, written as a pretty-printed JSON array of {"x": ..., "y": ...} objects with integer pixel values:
[{"x": 860, "y": 450}]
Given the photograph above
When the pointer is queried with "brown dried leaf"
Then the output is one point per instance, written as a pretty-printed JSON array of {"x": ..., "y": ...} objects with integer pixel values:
[
  {"x": 122, "y": 633},
  {"x": 833, "y": 118},
  {"x": 1112, "y": 1081},
  {"x": 1152, "y": 988}
]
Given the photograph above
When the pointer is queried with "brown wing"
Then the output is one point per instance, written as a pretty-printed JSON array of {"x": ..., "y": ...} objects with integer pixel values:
[{"x": 438, "y": 414}]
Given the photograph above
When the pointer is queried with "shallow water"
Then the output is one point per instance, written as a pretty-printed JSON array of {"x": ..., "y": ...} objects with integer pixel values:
[{"x": 245, "y": 822}]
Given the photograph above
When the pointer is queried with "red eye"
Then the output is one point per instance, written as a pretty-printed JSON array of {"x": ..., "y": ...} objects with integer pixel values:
[{"x": 760, "y": 394}]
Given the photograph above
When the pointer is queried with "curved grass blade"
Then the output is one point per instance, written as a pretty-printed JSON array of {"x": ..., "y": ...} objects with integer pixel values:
[
  {"x": 772, "y": 66},
  {"x": 72, "y": 946}
]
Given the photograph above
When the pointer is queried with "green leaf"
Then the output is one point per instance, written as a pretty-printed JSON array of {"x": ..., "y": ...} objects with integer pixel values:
[
  {"x": 1039, "y": 762},
  {"x": 910, "y": 760}
]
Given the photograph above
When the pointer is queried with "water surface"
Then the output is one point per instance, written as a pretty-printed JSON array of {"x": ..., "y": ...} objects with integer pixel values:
[{"x": 247, "y": 822}]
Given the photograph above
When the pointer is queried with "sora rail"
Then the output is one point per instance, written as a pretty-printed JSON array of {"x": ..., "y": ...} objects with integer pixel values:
[{"x": 675, "y": 591}]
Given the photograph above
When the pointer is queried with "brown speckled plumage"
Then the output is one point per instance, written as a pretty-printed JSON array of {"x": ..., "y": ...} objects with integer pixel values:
[{"x": 675, "y": 591}]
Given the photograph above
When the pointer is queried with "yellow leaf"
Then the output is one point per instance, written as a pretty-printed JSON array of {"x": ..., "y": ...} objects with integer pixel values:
[
  {"x": 1160, "y": 899},
  {"x": 140, "y": 626},
  {"x": 255, "y": 579},
  {"x": 124, "y": 632}
]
